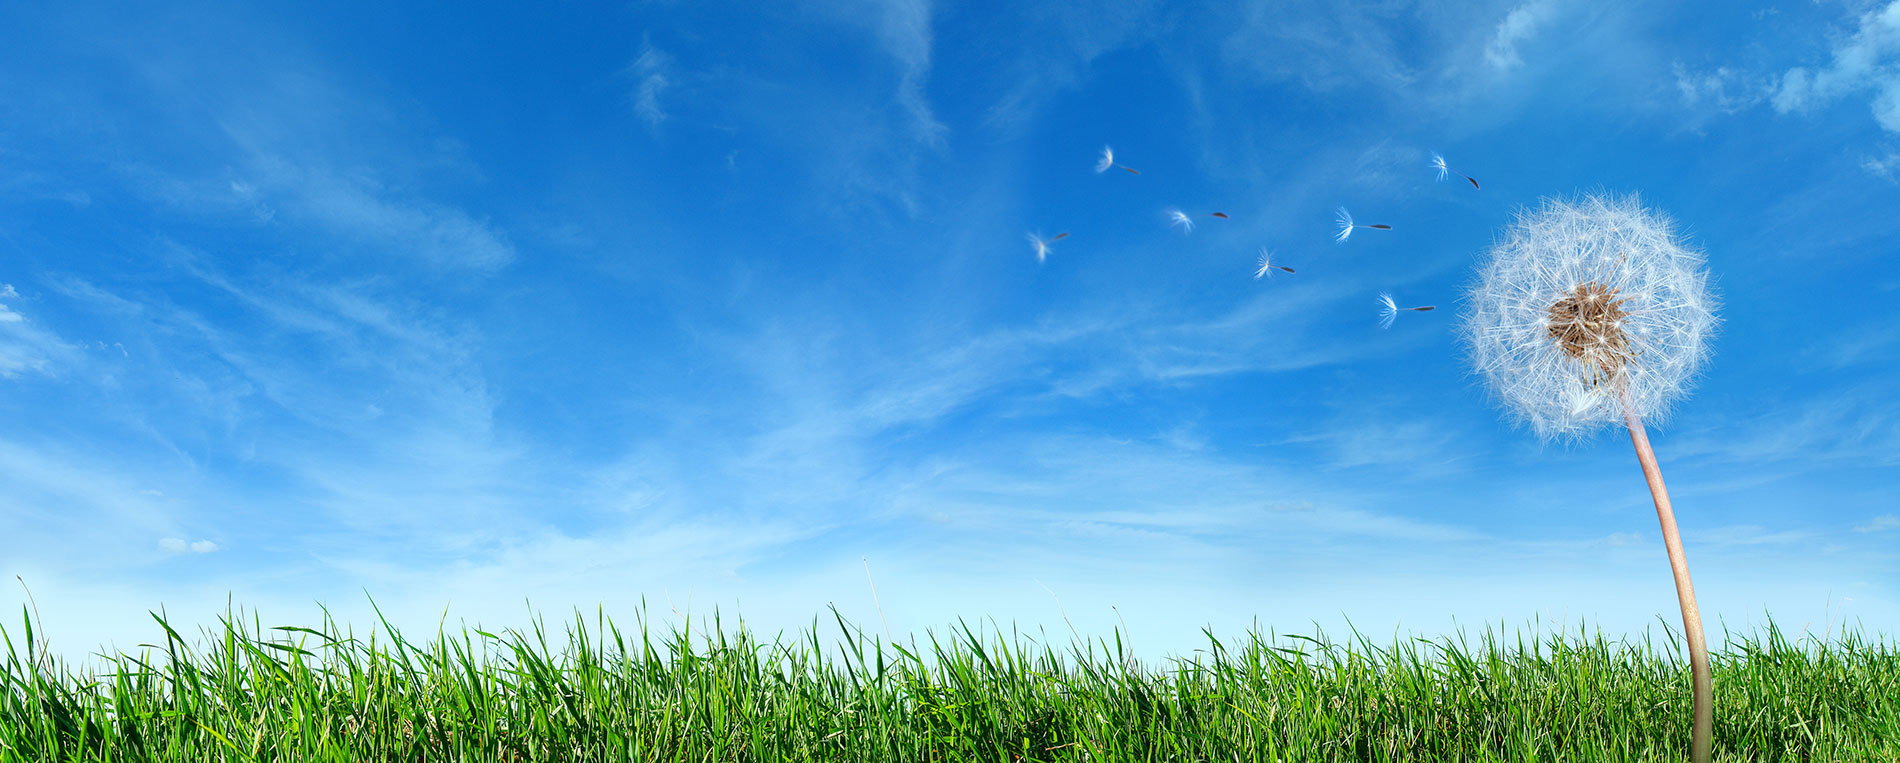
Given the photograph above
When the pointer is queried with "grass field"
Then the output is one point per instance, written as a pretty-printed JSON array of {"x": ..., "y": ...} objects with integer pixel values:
[{"x": 835, "y": 693}]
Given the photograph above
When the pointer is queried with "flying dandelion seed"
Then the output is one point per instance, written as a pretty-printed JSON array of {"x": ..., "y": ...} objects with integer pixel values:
[
  {"x": 1042, "y": 245},
  {"x": 1221, "y": 215},
  {"x": 1179, "y": 218},
  {"x": 1593, "y": 313},
  {"x": 1108, "y": 160},
  {"x": 1389, "y": 310},
  {"x": 1346, "y": 225},
  {"x": 1438, "y": 162},
  {"x": 1266, "y": 265}
]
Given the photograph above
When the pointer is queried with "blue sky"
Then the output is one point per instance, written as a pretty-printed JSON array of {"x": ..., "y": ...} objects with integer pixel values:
[{"x": 707, "y": 304}]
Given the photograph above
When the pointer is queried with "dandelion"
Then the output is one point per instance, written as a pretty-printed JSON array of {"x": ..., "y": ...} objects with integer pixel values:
[
  {"x": 1180, "y": 218},
  {"x": 1593, "y": 313},
  {"x": 1042, "y": 245},
  {"x": 1346, "y": 225},
  {"x": 1389, "y": 310},
  {"x": 1266, "y": 265},
  {"x": 1108, "y": 160},
  {"x": 1439, "y": 163}
]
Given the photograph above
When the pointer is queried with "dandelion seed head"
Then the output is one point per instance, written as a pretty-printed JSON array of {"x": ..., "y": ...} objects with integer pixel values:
[
  {"x": 1042, "y": 247},
  {"x": 1266, "y": 264},
  {"x": 1388, "y": 310},
  {"x": 1345, "y": 226},
  {"x": 1438, "y": 162},
  {"x": 1580, "y": 301},
  {"x": 1107, "y": 160},
  {"x": 1178, "y": 217}
]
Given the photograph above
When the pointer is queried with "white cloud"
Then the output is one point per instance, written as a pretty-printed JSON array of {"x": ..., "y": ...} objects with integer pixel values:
[
  {"x": 6, "y": 313},
  {"x": 180, "y": 546},
  {"x": 1518, "y": 26},
  {"x": 1884, "y": 166},
  {"x": 1723, "y": 89},
  {"x": 1865, "y": 61},
  {"x": 1880, "y": 523}
]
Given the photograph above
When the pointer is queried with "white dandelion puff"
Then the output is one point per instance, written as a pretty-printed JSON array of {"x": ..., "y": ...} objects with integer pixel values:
[
  {"x": 1438, "y": 163},
  {"x": 1042, "y": 245},
  {"x": 1108, "y": 160},
  {"x": 1389, "y": 310},
  {"x": 1346, "y": 225},
  {"x": 1589, "y": 313},
  {"x": 1266, "y": 265},
  {"x": 1599, "y": 293},
  {"x": 1179, "y": 218}
]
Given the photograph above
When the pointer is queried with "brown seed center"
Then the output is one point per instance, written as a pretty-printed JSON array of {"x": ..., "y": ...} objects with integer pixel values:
[{"x": 1588, "y": 324}]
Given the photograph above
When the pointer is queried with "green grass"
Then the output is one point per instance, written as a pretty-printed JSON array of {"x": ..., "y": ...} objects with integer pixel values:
[{"x": 834, "y": 693}]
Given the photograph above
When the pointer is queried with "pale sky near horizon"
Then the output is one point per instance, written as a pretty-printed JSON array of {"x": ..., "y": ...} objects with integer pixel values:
[{"x": 471, "y": 310}]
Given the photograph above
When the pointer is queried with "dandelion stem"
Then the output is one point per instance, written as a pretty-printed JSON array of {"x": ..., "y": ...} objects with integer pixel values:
[{"x": 1701, "y": 683}]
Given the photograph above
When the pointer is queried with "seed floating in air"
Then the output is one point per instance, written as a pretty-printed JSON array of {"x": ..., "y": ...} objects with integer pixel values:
[
  {"x": 1389, "y": 310},
  {"x": 1346, "y": 225},
  {"x": 1438, "y": 162},
  {"x": 1108, "y": 160},
  {"x": 1042, "y": 245},
  {"x": 1266, "y": 265}
]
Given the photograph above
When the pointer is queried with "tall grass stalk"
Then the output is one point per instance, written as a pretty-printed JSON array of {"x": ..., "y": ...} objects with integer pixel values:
[{"x": 831, "y": 692}]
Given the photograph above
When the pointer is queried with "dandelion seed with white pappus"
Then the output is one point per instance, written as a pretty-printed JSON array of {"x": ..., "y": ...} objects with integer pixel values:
[
  {"x": 1180, "y": 219},
  {"x": 1590, "y": 313},
  {"x": 1042, "y": 246},
  {"x": 1266, "y": 265},
  {"x": 1389, "y": 310},
  {"x": 1346, "y": 225},
  {"x": 1108, "y": 160},
  {"x": 1438, "y": 162}
]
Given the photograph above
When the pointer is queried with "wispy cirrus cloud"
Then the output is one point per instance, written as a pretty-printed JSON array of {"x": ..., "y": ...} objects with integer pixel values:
[
  {"x": 654, "y": 72},
  {"x": 362, "y": 211},
  {"x": 1322, "y": 45},
  {"x": 263, "y": 137},
  {"x": 1856, "y": 425},
  {"x": 904, "y": 29},
  {"x": 27, "y": 347},
  {"x": 1057, "y": 47},
  {"x": 1880, "y": 523}
]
